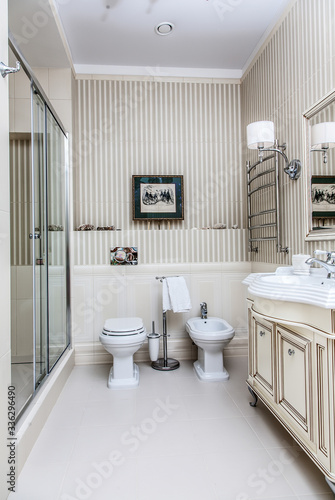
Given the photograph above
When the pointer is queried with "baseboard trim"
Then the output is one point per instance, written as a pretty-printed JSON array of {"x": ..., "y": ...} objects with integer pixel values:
[{"x": 93, "y": 353}]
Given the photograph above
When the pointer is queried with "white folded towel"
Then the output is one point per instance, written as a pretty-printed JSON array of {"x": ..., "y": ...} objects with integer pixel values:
[
  {"x": 175, "y": 295},
  {"x": 166, "y": 296}
]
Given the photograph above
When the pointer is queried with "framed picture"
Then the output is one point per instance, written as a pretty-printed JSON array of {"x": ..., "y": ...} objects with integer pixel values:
[
  {"x": 121, "y": 256},
  {"x": 158, "y": 197},
  {"x": 323, "y": 196}
]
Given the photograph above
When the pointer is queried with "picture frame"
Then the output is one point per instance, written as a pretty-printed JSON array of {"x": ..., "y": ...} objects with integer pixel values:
[
  {"x": 121, "y": 256},
  {"x": 323, "y": 196},
  {"x": 158, "y": 197}
]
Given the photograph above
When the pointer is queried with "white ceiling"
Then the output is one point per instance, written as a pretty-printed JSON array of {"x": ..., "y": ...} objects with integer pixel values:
[
  {"x": 211, "y": 37},
  {"x": 36, "y": 33}
]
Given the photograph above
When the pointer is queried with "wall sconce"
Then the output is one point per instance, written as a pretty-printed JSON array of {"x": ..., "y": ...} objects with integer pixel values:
[
  {"x": 323, "y": 138},
  {"x": 261, "y": 136}
]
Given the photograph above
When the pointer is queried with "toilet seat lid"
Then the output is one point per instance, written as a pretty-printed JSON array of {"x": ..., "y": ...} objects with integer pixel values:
[{"x": 123, "y": 326}]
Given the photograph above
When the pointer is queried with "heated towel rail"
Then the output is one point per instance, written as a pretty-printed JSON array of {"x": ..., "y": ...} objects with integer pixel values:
[{"x": 264, "y": 202}]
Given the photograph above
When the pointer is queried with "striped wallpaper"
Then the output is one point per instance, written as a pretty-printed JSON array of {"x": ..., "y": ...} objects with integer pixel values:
[
  {"x": 21, "y": 202},
  {"x": 294, "y": 69},
  {"x": 127, "y": 127},
  {"x": 163, "y": 246}
]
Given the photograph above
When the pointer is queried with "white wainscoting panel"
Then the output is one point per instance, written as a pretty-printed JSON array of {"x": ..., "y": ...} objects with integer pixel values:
[{"x": 101, "y": 292}]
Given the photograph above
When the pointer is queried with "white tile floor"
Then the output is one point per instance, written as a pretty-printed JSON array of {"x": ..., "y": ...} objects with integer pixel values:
[{"x": 171, "y": 438}]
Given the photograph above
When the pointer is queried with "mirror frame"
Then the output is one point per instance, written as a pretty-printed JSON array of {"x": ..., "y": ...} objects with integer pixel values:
[{"x": 307, "y": 115}]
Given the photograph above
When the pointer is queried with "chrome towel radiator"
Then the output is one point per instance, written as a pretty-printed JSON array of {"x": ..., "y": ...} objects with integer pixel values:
[{"x": 263, "y": 202}]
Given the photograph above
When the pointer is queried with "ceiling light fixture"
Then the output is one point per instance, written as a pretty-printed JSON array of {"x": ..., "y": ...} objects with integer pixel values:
[{"x": 164, "y": 28}]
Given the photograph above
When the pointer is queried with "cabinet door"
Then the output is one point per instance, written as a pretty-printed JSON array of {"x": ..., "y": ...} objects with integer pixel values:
[
  {"x": 322, "y": 363},
  {"x": 263, "y": 354},
  {"x": 294, "y": 380}
]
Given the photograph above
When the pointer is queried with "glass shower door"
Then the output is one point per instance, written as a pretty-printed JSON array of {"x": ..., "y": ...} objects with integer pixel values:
[
  {"x": 40, "y": 274},
  {"x": 57, "y": 286},
  {"x": 39, "y": 237}
]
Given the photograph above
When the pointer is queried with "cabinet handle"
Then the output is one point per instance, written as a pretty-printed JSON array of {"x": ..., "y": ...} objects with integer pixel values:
[
  {"x": 262, "y": 334},
  {"x": 290, "y": 352}
]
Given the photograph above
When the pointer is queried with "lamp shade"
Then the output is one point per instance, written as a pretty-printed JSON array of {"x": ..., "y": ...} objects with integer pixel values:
[
  {"x": 260, "y": 134},
  {"x": 323, "y": 135}
]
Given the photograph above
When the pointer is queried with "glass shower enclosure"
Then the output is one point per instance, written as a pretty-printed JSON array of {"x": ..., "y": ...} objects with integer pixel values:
[{"x": 39, "y": 244}]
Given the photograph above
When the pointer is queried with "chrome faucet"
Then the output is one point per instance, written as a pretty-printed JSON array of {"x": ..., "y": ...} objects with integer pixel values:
[
  {"x": 203, "y": 306},
  {"x": 328, "y": 264}
]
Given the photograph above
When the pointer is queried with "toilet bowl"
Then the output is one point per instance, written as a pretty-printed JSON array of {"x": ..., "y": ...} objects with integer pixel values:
[
  {"x": 211, "y": 335},
  {"x": 122, "y": 337}
]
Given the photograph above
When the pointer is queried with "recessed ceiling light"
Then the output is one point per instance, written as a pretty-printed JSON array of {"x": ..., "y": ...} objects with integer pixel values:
[{"x": 164, "y": 28}]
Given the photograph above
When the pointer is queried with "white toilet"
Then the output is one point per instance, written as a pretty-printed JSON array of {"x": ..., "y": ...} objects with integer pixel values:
[
  {"x": 122, "y": 337},
  {"x": 211, "y": 335}
]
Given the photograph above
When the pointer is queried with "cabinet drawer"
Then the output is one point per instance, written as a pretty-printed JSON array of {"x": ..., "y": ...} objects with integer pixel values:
[
  {"x": 294, "y": 379},
  {"x": 264, "y": 354}
]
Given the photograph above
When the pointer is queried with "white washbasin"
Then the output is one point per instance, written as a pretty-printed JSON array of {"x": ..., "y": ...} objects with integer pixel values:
[
  {"x": 295, "y": 280},
  {"x": 314, "y": 289}
]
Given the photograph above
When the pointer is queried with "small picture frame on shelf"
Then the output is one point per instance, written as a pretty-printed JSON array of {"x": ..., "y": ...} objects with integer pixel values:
[
  {"x": 121, "y": 256},
  {"x": 158, "y": 197},
  {"x": 323, "y": 196}
]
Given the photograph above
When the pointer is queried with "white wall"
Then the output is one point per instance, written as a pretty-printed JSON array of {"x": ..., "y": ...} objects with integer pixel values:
[{"x": 4, "y": 256}]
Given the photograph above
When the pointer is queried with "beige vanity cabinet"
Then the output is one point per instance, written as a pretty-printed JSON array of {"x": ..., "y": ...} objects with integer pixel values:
[{"x": 291, "y": 369}]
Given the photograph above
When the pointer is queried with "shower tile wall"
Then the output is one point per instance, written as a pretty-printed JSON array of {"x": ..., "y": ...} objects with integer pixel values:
[
  {"x": 56, "y": 83},
  {"x": 293, "y": 70}
]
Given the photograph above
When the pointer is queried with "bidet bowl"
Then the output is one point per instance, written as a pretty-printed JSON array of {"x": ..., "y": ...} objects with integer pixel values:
[{"x": 211, "y": 328}]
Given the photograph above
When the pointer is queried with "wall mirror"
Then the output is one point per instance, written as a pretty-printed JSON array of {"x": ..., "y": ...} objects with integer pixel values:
[{"x": 320, "y": 170}]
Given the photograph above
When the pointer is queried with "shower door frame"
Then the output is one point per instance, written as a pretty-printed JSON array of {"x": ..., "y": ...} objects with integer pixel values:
[{"x": 39, "y": 239}]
